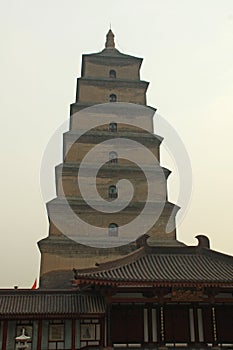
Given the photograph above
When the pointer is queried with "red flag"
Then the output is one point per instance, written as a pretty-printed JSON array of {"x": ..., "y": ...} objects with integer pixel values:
[{"x": 34, "y": 284}]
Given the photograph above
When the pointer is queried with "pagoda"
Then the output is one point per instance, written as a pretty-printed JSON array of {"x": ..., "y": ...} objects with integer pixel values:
[
  {"x": 110, "y": 89},
  {"x": 105, "y": 283}
]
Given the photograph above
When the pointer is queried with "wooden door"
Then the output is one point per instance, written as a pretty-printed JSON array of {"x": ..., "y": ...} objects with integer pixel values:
[
  {"x": 224, "y": 323},
  {"x": 126, "y": 324},
  {"x": 176, "y": 324},
  {"x": 207, "y": 324}
]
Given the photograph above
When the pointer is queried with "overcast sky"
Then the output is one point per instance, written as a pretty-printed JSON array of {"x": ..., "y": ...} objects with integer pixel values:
[{"x": 187, "y": 46}]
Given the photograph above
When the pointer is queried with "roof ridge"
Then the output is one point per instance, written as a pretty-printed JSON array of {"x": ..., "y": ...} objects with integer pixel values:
[
  {"x": 113, "y": 53},
  {"x": 168, "y": 264},
  {"x": 228, "y": 259},
  {"x": 108, "y": 265}
]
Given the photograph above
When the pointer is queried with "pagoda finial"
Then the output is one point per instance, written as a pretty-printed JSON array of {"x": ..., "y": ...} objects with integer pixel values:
[{"x": 110, "y": 43}]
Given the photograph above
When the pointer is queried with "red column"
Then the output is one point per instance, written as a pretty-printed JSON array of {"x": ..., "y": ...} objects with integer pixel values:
[
  {"x": 150, "y": 340},
  {"x": 4, "y": 336},
  {"x": 102, "y": 332},
  {"x": 39, "y": 335},
  {"x": 195, "y": 319},
  {"x": 109, "y": 341},
  {"x": 73, "y": 334}
]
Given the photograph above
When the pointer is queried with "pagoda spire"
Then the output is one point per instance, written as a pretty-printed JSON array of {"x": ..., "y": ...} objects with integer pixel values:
[{"x": 110, "y": 43}]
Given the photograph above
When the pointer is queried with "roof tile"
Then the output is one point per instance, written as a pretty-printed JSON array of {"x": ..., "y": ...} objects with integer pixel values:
[
  {"x": 28, "y": 302},
  {"x": 158, "y": 265}
]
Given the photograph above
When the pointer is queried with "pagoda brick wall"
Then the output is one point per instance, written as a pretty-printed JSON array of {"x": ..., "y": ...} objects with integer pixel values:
[
  {"x": 97, "y": 68},
  {"x": 60, "y": 252},
  {"x": 93, "y": 92}
]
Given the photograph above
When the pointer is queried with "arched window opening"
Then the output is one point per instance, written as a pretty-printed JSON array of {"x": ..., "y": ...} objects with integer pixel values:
[
  {"x": 112, "y": 74},
  {"x": 112, "y": 191},
  {"x": 112, "y": 127},
  {"x": 112, "y": 98},
  {"x": 113, "y": 157},
  {"x": 113, "y": 230}
]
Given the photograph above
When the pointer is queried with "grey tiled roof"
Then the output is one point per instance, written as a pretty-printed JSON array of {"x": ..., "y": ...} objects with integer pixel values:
[
  {"x": 30, "y": 302},
  {"x": 113, "y": 52},
  {"x": 166, "y": 265}
]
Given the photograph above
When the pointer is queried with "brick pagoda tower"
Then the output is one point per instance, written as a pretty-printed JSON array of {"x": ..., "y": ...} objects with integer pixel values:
[{"x": 112, "y": 78}]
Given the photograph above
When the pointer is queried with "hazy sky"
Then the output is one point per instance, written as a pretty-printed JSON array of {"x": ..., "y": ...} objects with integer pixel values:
[{"x": 187, "y": 46}]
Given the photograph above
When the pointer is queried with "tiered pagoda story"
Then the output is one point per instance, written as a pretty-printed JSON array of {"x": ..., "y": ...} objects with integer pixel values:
[{"x": 97, "y": 288}]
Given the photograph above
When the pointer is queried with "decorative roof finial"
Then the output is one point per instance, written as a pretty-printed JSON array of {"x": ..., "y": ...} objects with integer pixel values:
[{"x": 110, "y": 44}]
